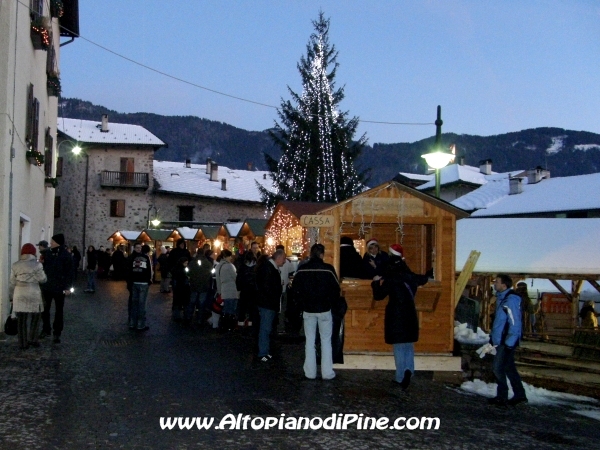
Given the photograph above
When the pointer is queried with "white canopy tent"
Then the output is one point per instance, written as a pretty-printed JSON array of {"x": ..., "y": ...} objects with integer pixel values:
[{"x": 538, "y": 248}]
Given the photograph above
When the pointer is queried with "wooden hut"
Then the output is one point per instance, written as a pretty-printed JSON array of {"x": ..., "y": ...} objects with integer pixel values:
[
  {"x": 426, "y": 227},
  {"x": 284, "y": 226}
]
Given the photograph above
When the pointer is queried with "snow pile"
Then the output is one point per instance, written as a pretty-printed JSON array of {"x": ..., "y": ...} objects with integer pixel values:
[
  {"x": 465, "y": 335},
  {"x": 585, "y": 406},
  {"x": 557, "y": 145}
]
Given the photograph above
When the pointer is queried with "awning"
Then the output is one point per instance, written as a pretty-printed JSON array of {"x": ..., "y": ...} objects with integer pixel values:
[
  {"x": 124, "y": 235},
  {"x": 257, "y": 226},
  {"x": 155, "y": 235}
]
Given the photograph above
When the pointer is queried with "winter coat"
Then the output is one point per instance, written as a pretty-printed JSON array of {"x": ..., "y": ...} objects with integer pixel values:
[
  {"x": 91, "y": 260},
  {"x": 25, "y": 278},
  {"x": 351, "y": 264},
  {"x": 268, "y": 282},
  {"x": 507, "y": 321},
  {"x": 139, "y": 268},
  {"x": 176, "y": 253},
  {"x": 400, "y": 283},
  {"x": 226, "y": 274},
  {"x": 76, "y": 259},
  {"x": 200, "y": 273},
  {"x": 245, "y": 282},
  {"x": 381, "y": 259},
  {"x": 315, "y": 286},
  {"x": 58, "y": 266},
  {"x": 163, "y": 262}
]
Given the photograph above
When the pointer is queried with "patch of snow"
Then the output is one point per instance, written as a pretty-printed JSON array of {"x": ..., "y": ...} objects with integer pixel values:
[
  {"x": 580, "y": 404},
  {"x": 531, "y": 147},
  {"x": 586, "y": 147},
  {"x": 465, "y": 335},
  {"x": 557, "y": 144}
]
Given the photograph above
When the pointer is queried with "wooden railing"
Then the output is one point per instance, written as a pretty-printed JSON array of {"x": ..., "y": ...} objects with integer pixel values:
[{"x": 124, "y": 179}]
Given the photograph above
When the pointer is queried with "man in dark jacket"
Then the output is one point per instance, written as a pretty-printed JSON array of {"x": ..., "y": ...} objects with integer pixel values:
[
  {"x": 200, "y": 274},
  {"x": 401, "y": 320},
  {"x": 268, "y": 280},
  {"x": 58, "y": 266},
  {"x": 140, "y": 278},
  {"x": 179, "y": 251},
  {"x": 316, "y": 285},
  {"x": 351, "y": 264}
]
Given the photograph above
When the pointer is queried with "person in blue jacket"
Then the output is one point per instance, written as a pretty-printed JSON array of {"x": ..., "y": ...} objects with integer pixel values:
[{"x": 505, "y": 336}]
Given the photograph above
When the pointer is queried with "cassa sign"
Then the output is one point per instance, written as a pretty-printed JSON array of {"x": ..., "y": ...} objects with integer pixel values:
[{"x": 316, "y": 221}]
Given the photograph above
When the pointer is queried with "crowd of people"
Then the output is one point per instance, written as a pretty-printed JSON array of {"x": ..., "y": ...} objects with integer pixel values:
[{"x": 250, "y": 290}]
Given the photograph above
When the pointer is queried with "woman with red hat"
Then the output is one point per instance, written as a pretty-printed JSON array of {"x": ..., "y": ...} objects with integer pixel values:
[
  {"x": 25, "y": 277},
  {"x": 401, "y": 320}
]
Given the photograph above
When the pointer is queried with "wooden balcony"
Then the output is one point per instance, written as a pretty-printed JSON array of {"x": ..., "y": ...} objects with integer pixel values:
[{"x": 136, "y": 180}]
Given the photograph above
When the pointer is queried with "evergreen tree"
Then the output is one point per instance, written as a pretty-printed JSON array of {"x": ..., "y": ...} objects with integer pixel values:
[{"x": 315, "y": 137}]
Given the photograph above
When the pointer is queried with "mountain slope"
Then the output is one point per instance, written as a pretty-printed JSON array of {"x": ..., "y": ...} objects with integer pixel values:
[{"x": 563, "y": 152}]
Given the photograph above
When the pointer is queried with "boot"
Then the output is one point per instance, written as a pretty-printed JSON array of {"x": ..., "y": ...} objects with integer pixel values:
[{"x": 406, "y": 380}]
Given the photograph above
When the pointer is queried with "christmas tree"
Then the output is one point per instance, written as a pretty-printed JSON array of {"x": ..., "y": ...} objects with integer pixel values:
[{"x": 315, "y": 137}]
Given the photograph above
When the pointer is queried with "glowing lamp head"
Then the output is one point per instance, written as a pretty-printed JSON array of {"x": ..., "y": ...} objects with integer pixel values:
[
  {"x": 217, "y": 243},
  {"x": 155, "y": 222},
  {"x": 76, "y": 150},
  {"x": 438, "y": 160},
  {"x": 270, "y": 241}
]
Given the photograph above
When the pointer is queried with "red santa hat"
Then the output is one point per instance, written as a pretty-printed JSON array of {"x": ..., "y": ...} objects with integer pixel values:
[
  {"x": 396, "y": 249},
  {"x": 372, "y": 241}
]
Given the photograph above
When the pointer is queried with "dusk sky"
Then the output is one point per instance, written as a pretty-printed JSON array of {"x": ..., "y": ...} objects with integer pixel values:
[{"x": 493, "y": 66}]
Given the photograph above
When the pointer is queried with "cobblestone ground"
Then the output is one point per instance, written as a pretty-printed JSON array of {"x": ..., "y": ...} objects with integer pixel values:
[{"x": 107, "y": 387}]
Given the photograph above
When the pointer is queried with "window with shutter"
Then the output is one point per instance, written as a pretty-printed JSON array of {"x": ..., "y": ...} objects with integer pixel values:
[
  {"x": 186, "y": 213},
  {"x": 59, "y": 166},
  {"x": 56, "y": 207},
  {"x": 29, "y": 120},
  {"x": 48, "y": 144},
  {"x": 117, "y": 208},
  {"x": 35, "y": 124}
]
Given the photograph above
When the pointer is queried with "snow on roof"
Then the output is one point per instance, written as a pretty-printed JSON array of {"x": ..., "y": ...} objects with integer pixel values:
[
  {"x": 89, "y": 131},
  {"x": 467, "y": 174},
  {"x": 549, "y": 195},
  {"x": 530, "y": 245},
  {"x": 174, "y": 177},
  {"x": 234, "y": 228},
  {"x": 187, "y": 233},
  {"x": 417, "y": 176}
]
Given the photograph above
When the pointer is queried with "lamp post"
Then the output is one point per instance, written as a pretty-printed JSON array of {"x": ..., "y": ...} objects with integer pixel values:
[
  {"x": 438, "y": 158},
  {"x": 154, "y": 222}
]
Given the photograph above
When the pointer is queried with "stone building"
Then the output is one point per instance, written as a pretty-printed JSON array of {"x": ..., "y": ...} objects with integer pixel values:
[
  {"x": 107, "y": 185},
  {"x": 114, "y": 184},
  {"x": 30, "y": 47}
]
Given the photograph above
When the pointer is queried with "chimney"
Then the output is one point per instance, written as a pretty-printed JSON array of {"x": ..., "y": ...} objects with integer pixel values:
[
  {"x": 208, "y": 161},
  {"x": 250, "y": 165},
  {"x": 461, "y": 161},
  {"x": 485, "y": 166},
  {"x": 515, "y": 186},
  {"x": 104, "y": 128},
  {"x": 223, "y": 184},
  {"x": 188, "y": 163},
  {"x": 536, "y": 175},
  {"x": 214, "y": 171},
  {"x": 264, "y": 176}
]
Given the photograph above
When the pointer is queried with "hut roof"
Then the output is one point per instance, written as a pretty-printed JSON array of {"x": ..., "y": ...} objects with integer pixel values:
[
  {"x": 442, "y": 204},
  {"x": 257, "y": 226}
]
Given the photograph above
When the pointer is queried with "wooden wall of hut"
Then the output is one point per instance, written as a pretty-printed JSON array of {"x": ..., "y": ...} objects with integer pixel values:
[{"x": 426, "y": 228}]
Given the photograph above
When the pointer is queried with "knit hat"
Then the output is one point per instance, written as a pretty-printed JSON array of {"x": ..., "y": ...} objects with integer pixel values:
[
  {"x": 372, "y": 241},
  {"x": 397, "y": 250},
  {"x": 43, "y": 244},
  {"x": 59, "y": 239},
  {"x": 28, "y": 249}
]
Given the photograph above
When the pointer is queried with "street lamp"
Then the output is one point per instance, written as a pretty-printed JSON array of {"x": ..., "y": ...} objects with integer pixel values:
[
  {"x": 438, "y": 159},
  {"x": 75, "y": 147},
  {"x": 155, "y": 222}
]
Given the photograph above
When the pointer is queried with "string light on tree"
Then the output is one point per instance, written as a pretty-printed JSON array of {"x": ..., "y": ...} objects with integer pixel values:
[{"x": 316, "y": 139}]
